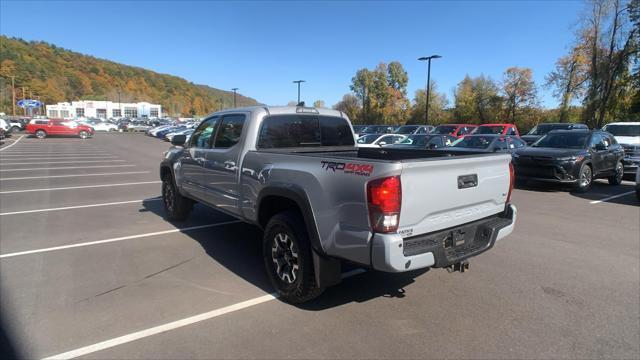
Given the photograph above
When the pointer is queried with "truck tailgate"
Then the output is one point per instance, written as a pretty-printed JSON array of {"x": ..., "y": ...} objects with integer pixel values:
[{"x": 444, "y": 193}]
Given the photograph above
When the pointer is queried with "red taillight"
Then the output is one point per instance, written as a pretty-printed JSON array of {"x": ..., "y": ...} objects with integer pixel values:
[
  {"x": 384, "y": 197},
  {"x": 512, "y": 180}
]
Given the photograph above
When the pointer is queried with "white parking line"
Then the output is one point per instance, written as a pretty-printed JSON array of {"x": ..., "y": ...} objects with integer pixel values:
[
  {"x": 61, "y": 162},
  {"x": 612, "y": 197},
  {"x": 16, "y": 152},
  {"x": 175, "y": 324},
  {"x": 10, "y": 145},
  {"x": 74, "y": 175},
  {"x": 80, "y": 187},
  {"x": 78, "y": 207},
  {"x": 55, "y": 248},
  {"x": 58, "y": 157},
  {"x": 69, "y": 167}
]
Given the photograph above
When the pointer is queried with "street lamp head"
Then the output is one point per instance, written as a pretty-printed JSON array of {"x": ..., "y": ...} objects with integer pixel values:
[
  {"x": 299, "y": 81},
  {"x": 424, "y": 58},
  {"x": 235, "y": 89}
]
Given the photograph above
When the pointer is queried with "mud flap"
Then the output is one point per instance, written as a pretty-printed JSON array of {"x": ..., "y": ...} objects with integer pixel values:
[{"x": 328, "y": 271}]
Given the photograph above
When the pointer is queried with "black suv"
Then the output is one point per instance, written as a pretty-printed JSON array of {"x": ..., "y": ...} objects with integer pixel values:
[
  {"x": 540, "y": 130},
  {"x": 574, "y": 157}
]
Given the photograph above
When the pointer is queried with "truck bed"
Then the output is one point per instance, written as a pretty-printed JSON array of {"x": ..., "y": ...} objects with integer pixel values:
[{"x": 384, "y": 154}]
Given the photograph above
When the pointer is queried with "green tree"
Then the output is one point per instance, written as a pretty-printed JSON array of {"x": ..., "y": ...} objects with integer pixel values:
[
  {"x": 520, "y": 93},
  {"x": 437, "y": 107}
]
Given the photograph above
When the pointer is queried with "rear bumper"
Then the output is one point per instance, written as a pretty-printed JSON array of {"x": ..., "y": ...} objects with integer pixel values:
[{"x": 392, "y": 253}]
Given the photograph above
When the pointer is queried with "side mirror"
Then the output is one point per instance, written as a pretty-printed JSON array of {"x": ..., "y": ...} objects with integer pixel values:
[
  {"x": 178, "y": 140},
  {"x": 600, "y": 147}
]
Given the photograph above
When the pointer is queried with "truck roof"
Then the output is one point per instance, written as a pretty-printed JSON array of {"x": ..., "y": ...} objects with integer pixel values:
[{"x": 282, "y": 110}]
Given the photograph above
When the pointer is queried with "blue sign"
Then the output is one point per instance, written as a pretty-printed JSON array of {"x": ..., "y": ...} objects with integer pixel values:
[{"x": 29, "y": 103}]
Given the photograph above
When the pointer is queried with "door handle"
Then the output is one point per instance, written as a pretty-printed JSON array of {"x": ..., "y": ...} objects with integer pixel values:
[{"x": 229, "y": 164}]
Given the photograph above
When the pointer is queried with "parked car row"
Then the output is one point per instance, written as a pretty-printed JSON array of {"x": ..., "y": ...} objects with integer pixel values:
[
  {"x": 168, "y": 131},
  {"x": 557, "y": 153}
]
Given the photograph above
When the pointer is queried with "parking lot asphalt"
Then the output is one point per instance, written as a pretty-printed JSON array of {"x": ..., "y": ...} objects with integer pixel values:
[{"x": 89, "y": 267}]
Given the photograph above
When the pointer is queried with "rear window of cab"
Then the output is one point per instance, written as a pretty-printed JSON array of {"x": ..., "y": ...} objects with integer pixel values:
[{"x": 293, "y": 131}]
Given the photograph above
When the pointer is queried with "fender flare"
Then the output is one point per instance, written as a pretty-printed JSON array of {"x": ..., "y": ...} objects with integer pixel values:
[
  {"x": 296, "y": 194},
  {"x": 327, "y": 270}
]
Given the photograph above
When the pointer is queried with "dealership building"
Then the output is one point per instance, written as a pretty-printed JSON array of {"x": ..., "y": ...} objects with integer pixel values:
[{"x": 103, "y": 109}]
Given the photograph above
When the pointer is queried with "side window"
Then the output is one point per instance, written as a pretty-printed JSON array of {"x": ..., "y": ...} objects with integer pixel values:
[
  {"x": 511, "y": 131},
  {"x": 201, "y": 137},
  {"x": 501, "y": 144},
  {"x": 518, "y": 143},
  {"x": 230, "y": 131},
  {"x": 612, "y": 139},
  {"x": 421, "y": 130},
  {"x": 595, "y": 139}
]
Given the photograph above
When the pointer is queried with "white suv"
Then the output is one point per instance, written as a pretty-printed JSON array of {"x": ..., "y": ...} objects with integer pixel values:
[{"x": 628, "y": 135}]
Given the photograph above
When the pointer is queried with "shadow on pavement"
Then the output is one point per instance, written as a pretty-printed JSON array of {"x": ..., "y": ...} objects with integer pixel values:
[
  {"x": 601, "y": 191},
  {"x": 238, "y": 248},
  {"x": 8, "y": 347}
]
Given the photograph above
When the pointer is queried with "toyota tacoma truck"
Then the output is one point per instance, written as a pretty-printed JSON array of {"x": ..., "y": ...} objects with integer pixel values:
[{"x": 321, "y": 202}]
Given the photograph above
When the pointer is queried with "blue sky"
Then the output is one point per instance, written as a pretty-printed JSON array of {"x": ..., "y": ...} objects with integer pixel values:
[{"x": 260, "y": 47}]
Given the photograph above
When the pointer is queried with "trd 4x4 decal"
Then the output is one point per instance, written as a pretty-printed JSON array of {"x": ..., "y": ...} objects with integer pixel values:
[{"x": 348, "y": 168}]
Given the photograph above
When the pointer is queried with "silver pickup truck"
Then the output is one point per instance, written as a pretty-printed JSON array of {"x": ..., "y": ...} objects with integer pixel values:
[{"x": 296, "y": 173}]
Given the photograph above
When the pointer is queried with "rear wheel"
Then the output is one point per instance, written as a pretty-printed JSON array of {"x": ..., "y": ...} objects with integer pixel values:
[
  {"x": 41, "y": 134},
  {"x": 585, "y": 179},
  {"x": 177, "y": 206},
  {"x": 287, "y": 258},
  {"x": 83, "y": 134},
  {"x": 616, "y": 179}
]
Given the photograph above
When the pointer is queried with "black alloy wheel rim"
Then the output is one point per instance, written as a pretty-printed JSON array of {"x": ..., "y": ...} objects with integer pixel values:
[
  {"x": 284, "y": 254},
  {"x": 167, "y": 195}
]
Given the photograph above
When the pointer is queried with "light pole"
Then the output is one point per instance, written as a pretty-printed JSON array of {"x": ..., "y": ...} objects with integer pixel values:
[
  {"x": 234, "y": 96},
  {"x": 298, "y": 82},
  {"x": 428, "y": 60},
  {"x": 119, "y": 105}
]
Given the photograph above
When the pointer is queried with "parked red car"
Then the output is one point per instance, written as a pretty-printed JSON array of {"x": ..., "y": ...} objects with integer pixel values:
[
  {"x": 498, "y": 129},
  {"x": 42, "y": 128},
  {"x": 457, "y": 130}
]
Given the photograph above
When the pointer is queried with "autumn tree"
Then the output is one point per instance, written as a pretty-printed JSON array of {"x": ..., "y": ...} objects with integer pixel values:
[
  {"x": 477, "y": 100},
  {"x": 318, "y": 104},
  {"x": 437, "y": 106},
  {"x": 568, "y": 79},
  {"x": 351, "y": 106},
  {"x": 609, "y": 36},
  {"x": 383, "y": 93},
  {"x": 519, "y": 91}
]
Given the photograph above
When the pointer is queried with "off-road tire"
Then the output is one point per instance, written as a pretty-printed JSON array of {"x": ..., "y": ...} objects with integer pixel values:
[
  {"x": 303, "y": 288},
  {"x": 177, "y": 207}
]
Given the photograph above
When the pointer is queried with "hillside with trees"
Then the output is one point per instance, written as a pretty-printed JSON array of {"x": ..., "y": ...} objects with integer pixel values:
[{"x": 54, "y": 74}]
